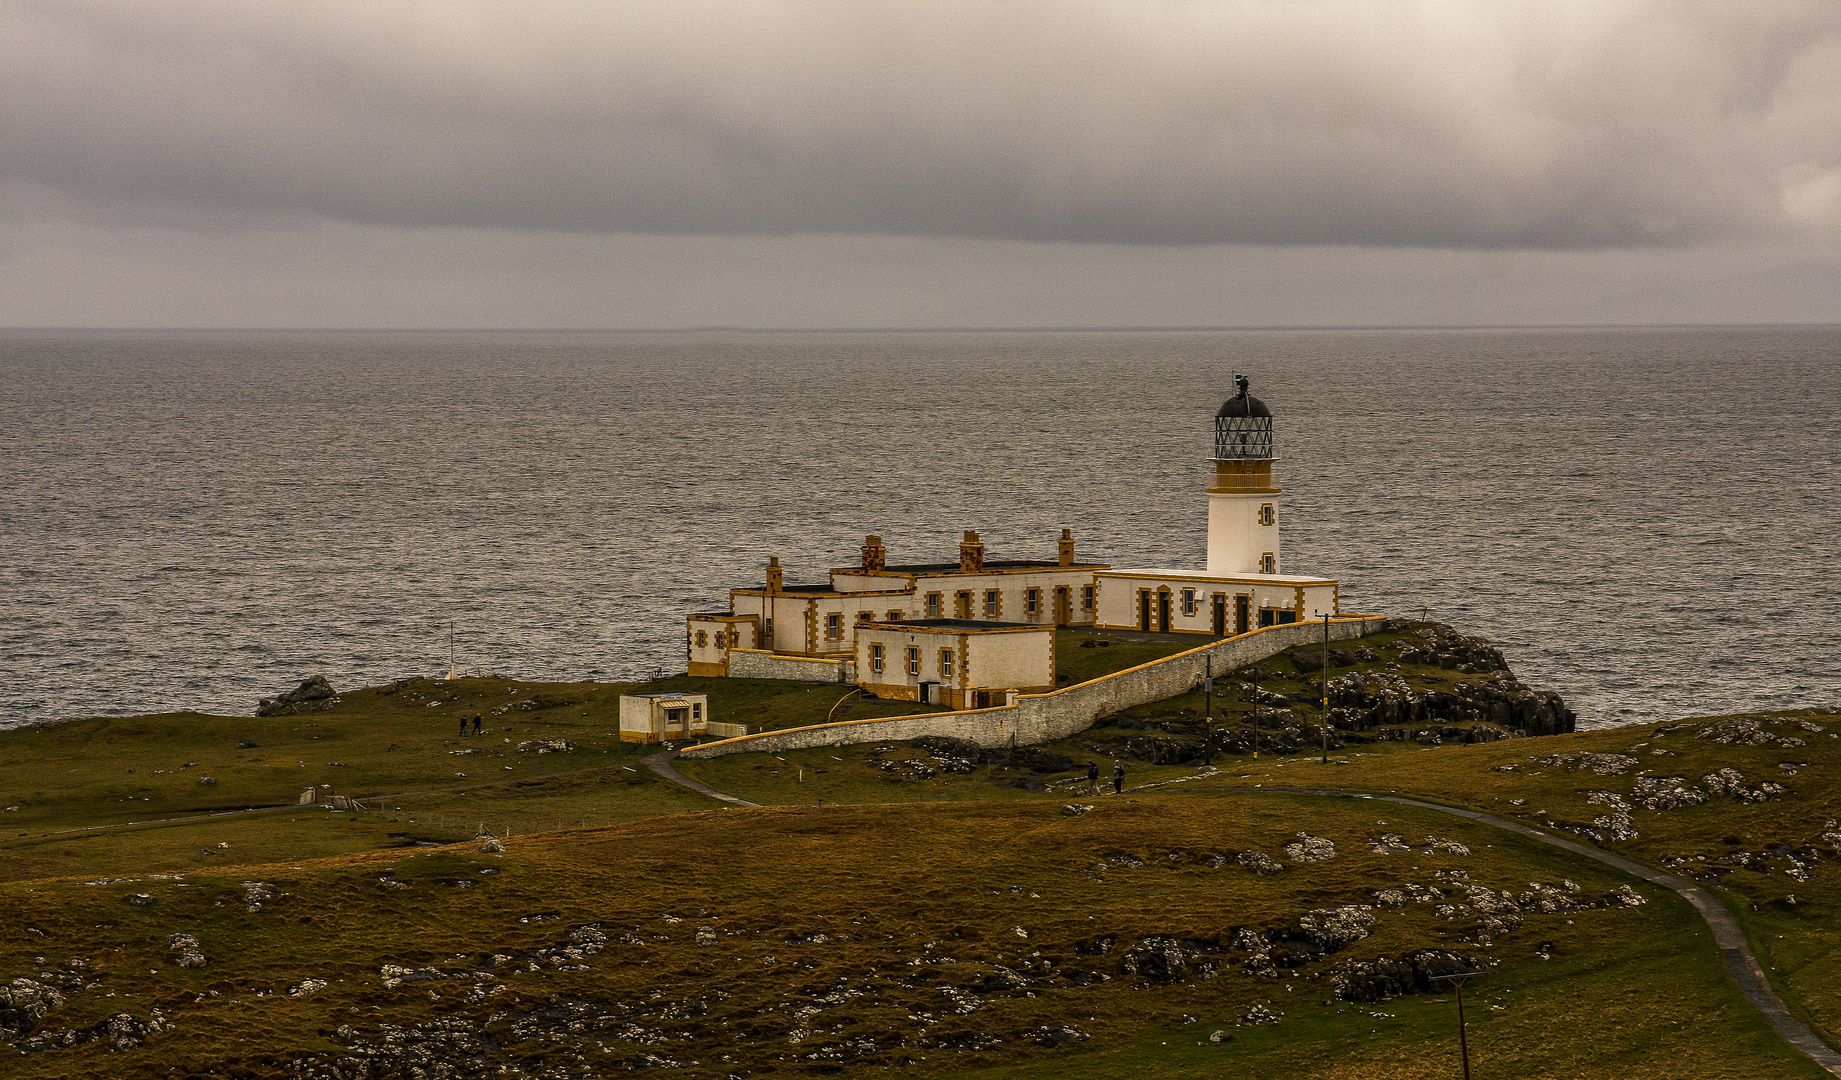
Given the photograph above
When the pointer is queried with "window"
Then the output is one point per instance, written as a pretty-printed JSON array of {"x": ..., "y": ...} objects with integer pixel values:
[
  {"x": 897, "y": 616},
  {"x": 703, "y": 639},
  {"x": 914, "y": 661},
  {"x": 866, "y": 616},
  {"x": 1188, "y": 601},
  {"x": 946, "y": 663},
  {"x": 1087, "y": 597},
  {"x": 934, "y": 605},
  {"x": 993, "y": 603},
  {"x": 875, "y": 657},
  {"x": 1267, "y": 516},
  {"x": 1268, "y": 563},
  {"x": 1032, "y": 601},
  {"x": 1267, "y": 616},
  {"x": 962, "y": 604},
  {"x": 696, "y": 710},
  {"x": 834, "y": 626}
]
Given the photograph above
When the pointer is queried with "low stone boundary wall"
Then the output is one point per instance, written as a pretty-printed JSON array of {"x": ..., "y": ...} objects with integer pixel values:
[
  {"x": 1039, "y": 718},
  {"x": 761, "y": 664}
]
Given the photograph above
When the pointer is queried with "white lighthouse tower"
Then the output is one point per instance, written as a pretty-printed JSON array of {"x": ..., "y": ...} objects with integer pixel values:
[{"x": 1243, "y": 498}]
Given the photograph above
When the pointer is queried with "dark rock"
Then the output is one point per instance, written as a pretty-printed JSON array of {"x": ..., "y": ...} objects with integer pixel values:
[
  {"x": 245, "y": 744},
  {"x": 313, "y": 695},
  {"x": 23, "y": 1006}
]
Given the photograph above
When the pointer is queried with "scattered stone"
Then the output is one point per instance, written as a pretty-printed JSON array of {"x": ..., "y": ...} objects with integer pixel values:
[
  {"x": 546, "y": 746},
  {"x": 492, "y": 846},
  {"x": 1332, "y": 929},
  {"x": 1308, "y": 848},
  {"x": 245, "y": 744},
  {"x": 1386, "y": 977},
  {"x": 1259, "y": 862},
  {"x": 1627, "y": 896},
  {"x": 1731, "y": 782},
  {"x": 1738, "y": 731},
  {"x": 207, "y": 781},
  {"x": 23, "y": 1005},
  {"x": 306, "y": 986},
  {"x": 1221, "y": 1037},
  {"x": 139, "y": 899},
  {"x": 1667, "y": 793},
  {"x": 1076, "y": 809},
  {"x": 256, "y": 893},
  {"x": 1259, "y": 1013}
]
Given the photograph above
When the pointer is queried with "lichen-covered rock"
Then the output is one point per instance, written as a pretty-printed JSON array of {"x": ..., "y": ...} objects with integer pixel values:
[
  {"x": 1387, "y": 977},
  {"x": 1259, "y": 862},
  {"x": 1738, "y": 731},
  {"x": 312, "y": 695},
  {"x": 1308, "y": 849},
  {"x": 1332, "y": 929},
  {"x": 1731, "y": 782},
  {"x": 1667, "y": 793},
  {"x": 23, "y": 1005}
]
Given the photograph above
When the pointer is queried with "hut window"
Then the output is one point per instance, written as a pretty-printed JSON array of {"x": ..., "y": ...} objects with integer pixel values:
[
  {"x": 696, "y": 710},
  {"x": 1188, "y": 601}
]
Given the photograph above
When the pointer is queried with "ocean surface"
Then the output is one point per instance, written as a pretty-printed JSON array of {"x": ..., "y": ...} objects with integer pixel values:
[{"x": 1642, "y": 519}]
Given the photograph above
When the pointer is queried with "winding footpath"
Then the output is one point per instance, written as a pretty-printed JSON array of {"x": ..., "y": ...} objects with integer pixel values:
[{"x": 1741, "y": 962}]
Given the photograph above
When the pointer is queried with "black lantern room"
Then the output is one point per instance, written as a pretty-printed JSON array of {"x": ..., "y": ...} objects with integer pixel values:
[{"x": 1243, "y": 427}]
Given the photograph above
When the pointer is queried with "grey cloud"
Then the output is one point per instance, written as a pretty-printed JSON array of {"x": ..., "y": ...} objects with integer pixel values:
[{"x": 1549, "y": 125}]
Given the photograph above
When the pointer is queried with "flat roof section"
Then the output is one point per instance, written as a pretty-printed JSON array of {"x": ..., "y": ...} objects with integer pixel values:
[
  {"x": 1203, "y": 575},
  {"x": 962, "y": 624}
]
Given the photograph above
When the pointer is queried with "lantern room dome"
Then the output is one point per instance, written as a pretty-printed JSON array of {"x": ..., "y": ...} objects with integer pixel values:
[{"x": 1244, "y": 404}]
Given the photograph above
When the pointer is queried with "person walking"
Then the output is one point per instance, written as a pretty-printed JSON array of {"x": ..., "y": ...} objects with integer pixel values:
[
  {"x": 478, "y": 719},
  {"x": 1092, "y": 778},
  {"x": 1118, "y": 777},
  {"x": 463, "y": 724}
]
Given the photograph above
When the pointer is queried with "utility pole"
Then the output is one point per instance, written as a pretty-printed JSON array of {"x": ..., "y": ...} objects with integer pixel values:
[
  {"x": 1324, "y": 720},
  {"x": 1458, "y": 980},
  {"x": 1208, "y": 709}
]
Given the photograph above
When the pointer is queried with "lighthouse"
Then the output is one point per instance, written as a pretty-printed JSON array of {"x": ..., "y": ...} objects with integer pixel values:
[{"x": 1243, "y": 493}]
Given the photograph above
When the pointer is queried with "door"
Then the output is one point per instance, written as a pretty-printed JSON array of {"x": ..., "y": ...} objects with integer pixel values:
[
  {"x": 1144, "y": 610},
  {"x": 1220, "y": 615},
  {"x": 1064, "y": 605},
  {"x": 1163, "y": 612}
]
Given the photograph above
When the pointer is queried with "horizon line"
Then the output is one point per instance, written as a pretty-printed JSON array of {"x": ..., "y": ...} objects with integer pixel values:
[{"x": 727, "y": 328}]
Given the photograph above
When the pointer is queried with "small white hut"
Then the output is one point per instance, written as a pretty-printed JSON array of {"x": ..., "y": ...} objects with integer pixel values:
[{"x": 663, "y": 717}]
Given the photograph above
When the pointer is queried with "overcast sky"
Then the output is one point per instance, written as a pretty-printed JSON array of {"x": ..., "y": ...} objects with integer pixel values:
[{"x": 853, "y": 163}]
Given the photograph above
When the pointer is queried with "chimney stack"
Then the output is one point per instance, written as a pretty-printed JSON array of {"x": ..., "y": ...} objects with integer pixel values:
[
  {"x": 1067, "y": 547},
  {"x": 775, "y": 576},
  {"x": 971, "y": 553},
  {"x": 875, "y": 556}
]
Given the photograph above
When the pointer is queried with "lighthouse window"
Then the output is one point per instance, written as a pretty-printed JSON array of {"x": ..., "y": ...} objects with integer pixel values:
[
  {"x": 1188, "y": 601},
  {"x": 1268, "y": 563},
  {"x": 875, "y": 658},
  {"x": 1266, "y": 514}
]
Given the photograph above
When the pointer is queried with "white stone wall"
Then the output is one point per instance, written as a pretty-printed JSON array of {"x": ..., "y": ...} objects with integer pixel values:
[{"x": 1037, "y": 718}]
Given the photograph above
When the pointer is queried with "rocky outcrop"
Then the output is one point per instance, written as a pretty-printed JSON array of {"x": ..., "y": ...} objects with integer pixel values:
[
  {"x": 312, "y": 695},
  {"x": 1387, "y": 977},
  {"x": 23, "y": 1005}
]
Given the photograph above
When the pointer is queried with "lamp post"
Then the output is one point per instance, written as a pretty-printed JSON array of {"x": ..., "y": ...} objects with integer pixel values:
[{"x": 1324, "y": 720}]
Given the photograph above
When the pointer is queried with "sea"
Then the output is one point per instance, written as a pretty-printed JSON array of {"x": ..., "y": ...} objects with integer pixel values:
[{"x": 1642, "y": 519}]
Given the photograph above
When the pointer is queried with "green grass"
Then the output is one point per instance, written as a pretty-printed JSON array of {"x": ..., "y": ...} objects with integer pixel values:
[
  {"x": 945, "y": 885},
  {"x": 1083, "y": 655}
]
